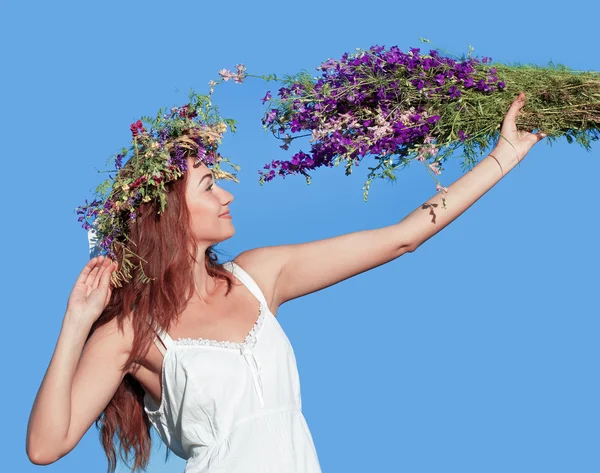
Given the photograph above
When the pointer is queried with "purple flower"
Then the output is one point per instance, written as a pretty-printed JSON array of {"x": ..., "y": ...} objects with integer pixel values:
[
  {"x": 163, "y": 135},
  {"x": 295, "y": 125},
  {"x": 266, "y": 97},
  {"x": 482, "y": 85},
  {"x": 270, "y": 116},
  {"x": 469, "y": 82},
  {"x": 440, "y": 78},
  {"x": 418, "y": 83},
  {"x": 427, "y": 63},
  {"x": 201, "y": 150},
  {"x": 119, "y": 161},
  {"x": 179, "y": 159},
  {"x": 454, "y": 92},
  {"x": 501, "y": 85}
]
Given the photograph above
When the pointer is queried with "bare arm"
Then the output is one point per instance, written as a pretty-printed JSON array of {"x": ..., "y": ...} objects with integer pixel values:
[
  {"x": 80, "y": 380},
  {"x": 296, "y": 270},
  {"x": 428, "y": 219}
]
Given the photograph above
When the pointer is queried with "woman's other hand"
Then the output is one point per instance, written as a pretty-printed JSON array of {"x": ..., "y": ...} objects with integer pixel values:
[{"x": 92, "y": 290}]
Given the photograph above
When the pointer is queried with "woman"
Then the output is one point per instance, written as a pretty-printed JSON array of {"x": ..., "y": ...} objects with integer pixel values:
[{"x": 219, "y": 383}]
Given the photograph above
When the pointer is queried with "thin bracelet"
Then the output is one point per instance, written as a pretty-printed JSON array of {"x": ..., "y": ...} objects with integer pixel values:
[
  {"x": 501, "y": 169},
  {"x": 490, "y": 154}
]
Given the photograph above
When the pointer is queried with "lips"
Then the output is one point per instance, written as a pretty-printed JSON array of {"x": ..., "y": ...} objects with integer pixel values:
[{"x": 226, "y": 214}]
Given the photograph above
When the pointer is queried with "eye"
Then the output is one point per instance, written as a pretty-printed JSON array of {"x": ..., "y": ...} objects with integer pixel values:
[{"x": 209, "y": 188}]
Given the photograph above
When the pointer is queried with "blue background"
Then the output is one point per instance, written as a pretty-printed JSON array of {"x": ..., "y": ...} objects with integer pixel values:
[{"x": 476, "y": 353}]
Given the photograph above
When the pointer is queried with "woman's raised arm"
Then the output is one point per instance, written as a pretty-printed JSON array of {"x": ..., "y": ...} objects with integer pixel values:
[
  {"x": 431, "y": 217},
  {"x": 82, "y": 377},
  {"x": 300, "y": 269}
]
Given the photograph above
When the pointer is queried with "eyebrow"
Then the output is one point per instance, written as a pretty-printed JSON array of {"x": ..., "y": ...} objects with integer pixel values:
[{"x": 204, "y": 177}]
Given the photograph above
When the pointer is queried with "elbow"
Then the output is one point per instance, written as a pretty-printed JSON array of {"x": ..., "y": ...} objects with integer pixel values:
[
  {"x": 408, "y": 247},
  {"x": 38, "y": 455},
  {"x": 40, "y": 458},
  {"x": 411, "y": 248}
]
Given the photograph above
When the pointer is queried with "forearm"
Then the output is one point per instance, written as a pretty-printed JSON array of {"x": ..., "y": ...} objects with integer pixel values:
[
  {"x": 431, "y": 217},
  {"x": 51, "y": 413}
]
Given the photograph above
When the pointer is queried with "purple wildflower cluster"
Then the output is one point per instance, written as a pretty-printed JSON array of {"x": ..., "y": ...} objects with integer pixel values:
[
  {"x": 380, "y": 102},
  {"x": 88, "y": 211}
]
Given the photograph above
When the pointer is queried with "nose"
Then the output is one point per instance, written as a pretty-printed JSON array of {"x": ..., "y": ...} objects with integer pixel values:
[{"x": 227, "y": 197}]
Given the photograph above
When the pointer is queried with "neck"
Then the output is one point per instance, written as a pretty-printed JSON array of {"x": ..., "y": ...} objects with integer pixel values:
[{"x": 204, "y": 284}]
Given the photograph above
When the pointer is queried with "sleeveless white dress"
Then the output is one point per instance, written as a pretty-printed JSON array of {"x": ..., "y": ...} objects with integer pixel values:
[{"x": 234, "y": 407}]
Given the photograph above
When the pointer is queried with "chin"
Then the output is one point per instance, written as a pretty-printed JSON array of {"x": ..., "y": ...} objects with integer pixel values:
[{"x": 228, "y": 235}]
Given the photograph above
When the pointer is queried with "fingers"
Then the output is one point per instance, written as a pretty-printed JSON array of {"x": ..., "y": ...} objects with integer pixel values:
[
  {"x": 101, "y": 268},
  {"x": 104, "y": 283},
  {"x": 540, "y": 135},
  {"x": 87, "y": 269},
  {"x": 93, "y": 275},
  {"x": 112, "y": 269},
  {"x": 93, "y": 270},
  {"x": 513, "y": 111}
]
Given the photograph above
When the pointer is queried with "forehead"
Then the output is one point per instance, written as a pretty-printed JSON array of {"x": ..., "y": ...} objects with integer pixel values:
[{"x": 198, "y": 171}]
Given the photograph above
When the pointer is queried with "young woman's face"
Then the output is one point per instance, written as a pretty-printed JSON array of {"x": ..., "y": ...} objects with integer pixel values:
[{"x": 207, "y": 202}]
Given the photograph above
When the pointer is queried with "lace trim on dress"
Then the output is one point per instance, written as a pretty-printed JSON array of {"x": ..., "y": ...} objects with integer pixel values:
[{"x": 225, "y": 343}]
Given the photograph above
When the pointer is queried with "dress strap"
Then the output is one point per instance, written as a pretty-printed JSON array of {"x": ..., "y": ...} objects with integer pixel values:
[
  {"x": 162, "y": 340},
  {"x": 246, "y": 279}
]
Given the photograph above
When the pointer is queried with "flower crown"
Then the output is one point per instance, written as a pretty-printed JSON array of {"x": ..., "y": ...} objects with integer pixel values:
[{"x": 157, "y": 155}]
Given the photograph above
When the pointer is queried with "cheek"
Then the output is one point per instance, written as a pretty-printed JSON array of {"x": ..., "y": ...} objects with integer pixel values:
[{"x": 204, "y": 213}]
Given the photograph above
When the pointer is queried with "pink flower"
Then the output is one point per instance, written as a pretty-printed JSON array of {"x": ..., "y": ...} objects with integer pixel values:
[
  {"x": 439, "y": 188},
  {"x": 137, "y": 128},
  {"x": 435, "y": 167},
  {"x": 226, "y": 74}
]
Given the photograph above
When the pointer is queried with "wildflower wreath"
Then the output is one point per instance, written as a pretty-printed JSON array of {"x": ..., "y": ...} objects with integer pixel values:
[
  {"x": 157, "y": 155},
  {"x": 400, "y": 106}
]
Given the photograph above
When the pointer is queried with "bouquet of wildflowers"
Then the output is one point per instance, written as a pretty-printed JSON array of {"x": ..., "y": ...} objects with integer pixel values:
[{"x": 397, "y": 106}]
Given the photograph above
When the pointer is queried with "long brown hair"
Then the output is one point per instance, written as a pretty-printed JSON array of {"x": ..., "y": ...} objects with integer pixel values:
[{"x": 163, "y": 242}]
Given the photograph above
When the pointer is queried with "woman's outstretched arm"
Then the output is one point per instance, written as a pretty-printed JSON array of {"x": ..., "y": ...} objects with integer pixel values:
[
  {"x": 296, "y": 270},
  {"x": 77, "y": 386},
  {"x": 429, "y": 218}
]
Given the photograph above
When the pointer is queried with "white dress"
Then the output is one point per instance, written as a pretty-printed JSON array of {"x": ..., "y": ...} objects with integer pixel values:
[{"x": 234, "y": 407}]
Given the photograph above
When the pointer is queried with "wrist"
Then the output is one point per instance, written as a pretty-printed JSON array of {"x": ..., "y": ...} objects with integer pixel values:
[
  {"x": 76, "y": 320},
  {"x": 506, "y": 157}
]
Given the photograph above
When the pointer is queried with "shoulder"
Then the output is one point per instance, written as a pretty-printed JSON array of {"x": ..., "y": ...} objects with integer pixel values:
[
  {"x": 264, "y": 266},
  {"x": 116, "y": 335}
]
